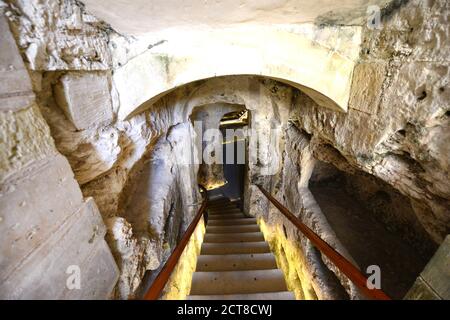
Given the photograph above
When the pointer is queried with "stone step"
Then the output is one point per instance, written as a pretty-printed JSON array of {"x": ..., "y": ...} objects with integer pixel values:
[
  {"x": 220, "y": 209},
  {"x": 218, "y": 204},
  {"x": 234, "y": 248},
  {"x": 233, "y": 237},
  {"x": 223, "y": 209},
  {"x": 234, "y": 262},
  {"x": 219, "y": 200},
  {"x": 237, "y": 282},
  {"x": 226, "y": 216},
  {"x": 221, "y": 213},
  {"x": 280, "y": 295},
  {"x": 233, "y": 229},
  {"x": 231, "y": 222}
]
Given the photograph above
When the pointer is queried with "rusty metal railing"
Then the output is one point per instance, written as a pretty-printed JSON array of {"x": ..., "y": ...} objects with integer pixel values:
[
  {"x": 154, "y": 292},
  {"x": 345, "y": 266}
]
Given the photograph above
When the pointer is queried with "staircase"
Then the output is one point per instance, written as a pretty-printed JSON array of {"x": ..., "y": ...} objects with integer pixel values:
[{"x": 235, "y": 262}]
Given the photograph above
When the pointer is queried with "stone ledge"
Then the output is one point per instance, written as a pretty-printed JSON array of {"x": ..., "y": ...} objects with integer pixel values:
[
  {"x": 32, "y": 207},
  {"x": 25, "y": 139},
  {"x": 85, "y": 99},
  {"x": 15, "y": 86},
  {"x": 78, "y": 241}
]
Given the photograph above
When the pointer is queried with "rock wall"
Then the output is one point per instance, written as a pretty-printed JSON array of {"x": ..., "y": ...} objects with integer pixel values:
[
  {"x": 211, "y": 175},
  {"x": 50, "y": 233},
  {"x": 179, "y": 285},
  {"x": 148, "y": 187},
  {"x": 392, "y": 208},
  {"x": 67, "y": 55},
  {"x": 101, "y": 100},
  {"x": 161, "y": 197},
  {"x": 433, "y": 284},
  {"x": 307, "y": 271},
  {"x": 138, "y": 161},
  {"x": 59, "y": 35},
  {"x": 394, "y": 129},
  {"x": 397, "y": 122}
]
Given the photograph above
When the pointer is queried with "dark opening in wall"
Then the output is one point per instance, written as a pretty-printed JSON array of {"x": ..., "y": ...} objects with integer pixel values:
[
  {"x": 375, "y": 223},
  {"x": 422, "y": 95},
  {"x": 225, "y": 125}
]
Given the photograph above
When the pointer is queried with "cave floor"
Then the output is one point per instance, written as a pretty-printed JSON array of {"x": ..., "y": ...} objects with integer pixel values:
[{"x": 368, "y": 241}]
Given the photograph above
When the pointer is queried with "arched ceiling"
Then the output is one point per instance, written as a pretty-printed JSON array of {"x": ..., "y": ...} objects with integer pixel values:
[
  {"x": 324, "y": 73},
  {"x": 192, "y": 40},
  {"x": 144, "y": 16}
]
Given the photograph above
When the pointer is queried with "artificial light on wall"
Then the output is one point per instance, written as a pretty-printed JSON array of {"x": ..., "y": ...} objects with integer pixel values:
[
  {"x": 235, "y": 118},
  {"x": 215, "y": 185}
]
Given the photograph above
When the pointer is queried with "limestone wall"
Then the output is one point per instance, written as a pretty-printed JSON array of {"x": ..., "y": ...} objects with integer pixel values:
[
  {"x": 179, "y": 285},
  {"x": 395, "y": 129},
  {"x": 47, "y": 228},
  {"x": 59, "y": 35},
  {"x": 209, "y": 116},
  {"x": 432, "y": 283},
  {"x": 307, "y": 271}
]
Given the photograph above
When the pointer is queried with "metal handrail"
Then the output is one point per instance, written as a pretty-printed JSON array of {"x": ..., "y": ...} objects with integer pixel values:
[
  {"x": 345, "y": 266},
  {"x": 154, "y": 292}
]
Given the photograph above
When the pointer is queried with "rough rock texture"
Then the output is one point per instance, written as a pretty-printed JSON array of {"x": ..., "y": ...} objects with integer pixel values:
[
  {"x": 66, "y": 39},
  {"x": 212, "y": 175},
  {"x": 392, "y": 208},
  {"x": 85, "y": 99},
  {"x": 13, "y": 74},
  {"x": 90, "y": 152},
  {"x": 310, "y": 278},
  {"x": 398, "y": 133},
  {"x": 179, "y": 284},
  {"x": 25, "y": 137},
  {"x": 133, "y": 255},
  {"x": 380, "y": 218},
  {"x": 433, "y": 284},
  {"x": 107, "y": 161},
  {"x": 159, "y": 199}
]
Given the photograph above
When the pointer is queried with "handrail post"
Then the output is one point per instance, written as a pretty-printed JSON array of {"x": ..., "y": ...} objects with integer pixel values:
[{"x": 347, "y": 268}]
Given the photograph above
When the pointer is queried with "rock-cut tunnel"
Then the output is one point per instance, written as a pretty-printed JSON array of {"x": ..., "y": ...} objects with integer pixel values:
[{"x": 279, "y": 151}]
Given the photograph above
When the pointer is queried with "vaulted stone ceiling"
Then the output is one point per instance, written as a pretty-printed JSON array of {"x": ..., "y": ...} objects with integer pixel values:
[{"x": 142, "y": 16}]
